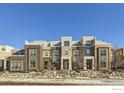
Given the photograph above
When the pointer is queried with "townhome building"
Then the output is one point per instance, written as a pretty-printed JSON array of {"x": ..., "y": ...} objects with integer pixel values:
[
  {"x": 64, "y": 54},
  {"x": 67, "y": 54}
]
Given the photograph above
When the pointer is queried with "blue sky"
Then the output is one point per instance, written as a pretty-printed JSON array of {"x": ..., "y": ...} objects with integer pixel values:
[{"x": 20, "y": 22}]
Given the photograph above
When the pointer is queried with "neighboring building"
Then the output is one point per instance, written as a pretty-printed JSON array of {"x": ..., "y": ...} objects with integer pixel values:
[
  {"x": 5, "y": 52},
  {"x": 6, "y": 48},
  {"x": 18, "y": 52},
  {"x": 66, "y": 54},
  {"x": 119, "y": 58}
]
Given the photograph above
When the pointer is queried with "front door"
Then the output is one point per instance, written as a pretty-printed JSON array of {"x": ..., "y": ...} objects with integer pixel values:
[
  {"x": 46, "y": 65},
  {"x": 65, "y": 64},
  {"x": 89, "y": 64}
]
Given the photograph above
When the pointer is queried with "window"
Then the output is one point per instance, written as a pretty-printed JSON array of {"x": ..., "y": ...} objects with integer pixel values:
[
  {"x": 33, "y": 63},
  {"x": 103, "y": 61},
  {"x": 19, "y": 65},
  {"x": 56, "y": 52},
  {"x": 16, "y": 64},
  {"x": 89, "y": 63},
  {"x": 88, "y": 42},
  {"x": 103, "y": 57},
  {"x": 120, "y": 52},
  {"x": 3, "y": 49},
  {"x": 45, "y": 53},
  {"x": 32, "y": 52},
  {"x": 76, "y": 52},
  {"x": 88, "y": 51},
  {"x": 12, "y": 66},
  {"x": 103, "y": 64},
  {"x": 66, "y": 43},
  {"x": 103, "y": 52},
  {"x": 66, "y": 52}
]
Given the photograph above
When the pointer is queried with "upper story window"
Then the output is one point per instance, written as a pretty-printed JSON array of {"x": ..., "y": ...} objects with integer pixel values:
[
  {"x": 88, "y": 43},
  {"x": 46, "y": 53},
  {"x": 3, "y": 49},
  {"x": 120, "y": 52},
  {"x": 66, "y": 52},
  {"x": 56, "y": 52},
  {"x": 103, "y": 52},
  {"x": 76, "y": 53},
  {"x": 32, "y": 52},
  {"x": 88, "y": 51},
  {"x": 66, "y": 43}
]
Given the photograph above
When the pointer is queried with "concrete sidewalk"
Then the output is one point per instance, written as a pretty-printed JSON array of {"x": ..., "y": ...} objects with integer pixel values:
[{"x": 60, "y": 82}]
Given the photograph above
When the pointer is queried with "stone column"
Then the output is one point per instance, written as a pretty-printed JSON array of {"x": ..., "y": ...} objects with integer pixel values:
[
  {"x": 70, "y": 64},
  {"x": 85, "y": 67},
  {"x": 4, "y": 64},
  {"x": 61, "y": 64},
  {"x": 93, "y": 64}
]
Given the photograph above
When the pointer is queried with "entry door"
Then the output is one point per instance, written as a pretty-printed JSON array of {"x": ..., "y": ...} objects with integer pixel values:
[
  {"x": 65, "y": 64},
  {"x": 89, "y": 63},
  {"x": 46, "y": 65}
]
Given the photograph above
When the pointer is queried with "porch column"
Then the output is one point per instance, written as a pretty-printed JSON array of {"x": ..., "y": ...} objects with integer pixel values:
[
  {"x": 61, "y": 64},
  {"x": 93, "y": 64},
  {"x": 85, "y": 66},
  {"x": 70, "y": 64},
  {"x": 4, "y": 66}
]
